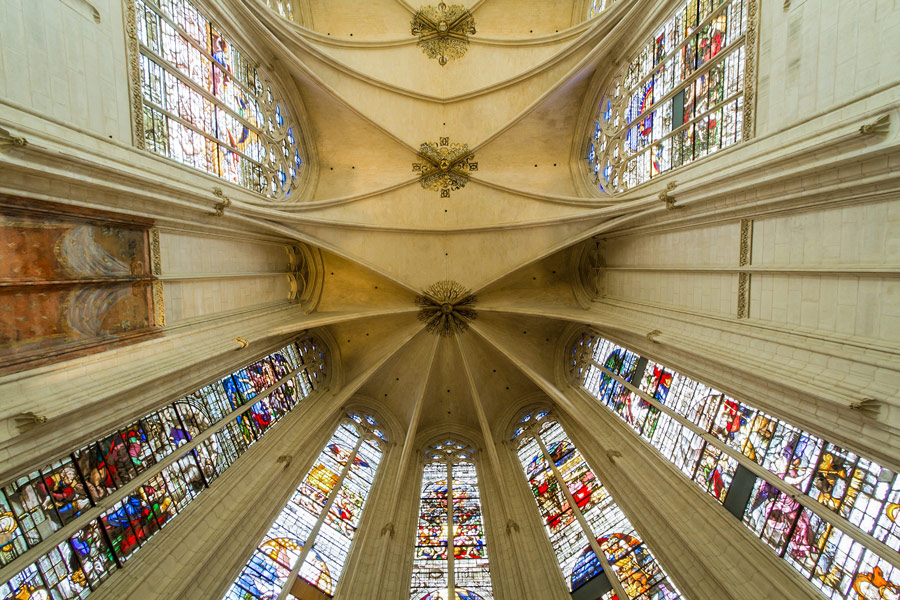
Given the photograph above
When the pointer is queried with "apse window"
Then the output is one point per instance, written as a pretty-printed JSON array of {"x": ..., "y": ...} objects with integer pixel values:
[
  {"x": 451, "y": 561},
  {"x": 684, "y": 95},
  {"x": 304, "y": 552},
  {"x": 598, "y": 550},
  {"x": 204, "y": 104}
]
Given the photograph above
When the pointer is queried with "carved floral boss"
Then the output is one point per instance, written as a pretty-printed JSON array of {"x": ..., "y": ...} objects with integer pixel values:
[
  {"x": 443, "y": 31},
  {"x": 444, "y": 167}
]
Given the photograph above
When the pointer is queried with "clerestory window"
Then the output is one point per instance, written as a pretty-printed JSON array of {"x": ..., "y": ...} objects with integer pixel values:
[
  {"x": 308, "y": 544},
  {"x": 685, "y": 95},
  {"x": 594, "y": 542},
  {"x": 204, "y": 103},
  {"x": 451, "y": 561},
  {"x": 799, "y": 493}
]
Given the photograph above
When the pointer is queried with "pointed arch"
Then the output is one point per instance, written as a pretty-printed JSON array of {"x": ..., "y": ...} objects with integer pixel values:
[
  {"x": 308, "y": 544},
  {"x": 200, "y": 100},
  {"x": 451, "y": 560},
  {"x": 589, "y": 532}
]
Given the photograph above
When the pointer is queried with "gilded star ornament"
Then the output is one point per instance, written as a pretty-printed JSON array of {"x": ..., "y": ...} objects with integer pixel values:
[
  {"x": 443, "y": 31},
  {"x": 444, "y": 167},
  {"x": 447, "y": 308}
]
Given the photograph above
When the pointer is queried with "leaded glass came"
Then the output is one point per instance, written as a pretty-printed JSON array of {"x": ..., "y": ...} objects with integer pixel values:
[{"x": 206, "y": 105}]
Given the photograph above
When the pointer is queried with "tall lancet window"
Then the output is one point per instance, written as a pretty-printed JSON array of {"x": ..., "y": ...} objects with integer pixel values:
[
  {"x": 451, "y": 560},
  {"x": 686, "y": 93},
  {"x": 201, "y": 101},
  {"x": 589, "y": 533},
  {"x": 309, "y": 542}
]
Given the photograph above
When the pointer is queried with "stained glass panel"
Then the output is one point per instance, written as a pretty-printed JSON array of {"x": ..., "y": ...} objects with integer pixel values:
[
  {"x": 205, "y": 105},
  {"x": 856, "y": 489},
  {"x": 326, "y": 507},
  {"x": 555, "y": 456},
  {"x": 679, "y": 99},
  {"x": 56, "y": 496},
  {"x": 450, "y": 529}
]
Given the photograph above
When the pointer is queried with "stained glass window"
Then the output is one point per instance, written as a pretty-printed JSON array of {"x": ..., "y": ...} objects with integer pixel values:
[
  {"x": 309, "y": 541},
  {"x": 58, "y": 497},
  {"x": 206, "y": 105},
  {"x": 680, "y": 410},
  {"x": 681, "y": 97},
  {"x": 285, "y": 8},
  {"x": 598, "y": 6},
  {"x": 589, "y": 532},
  {"x": 451, "y": 561}
]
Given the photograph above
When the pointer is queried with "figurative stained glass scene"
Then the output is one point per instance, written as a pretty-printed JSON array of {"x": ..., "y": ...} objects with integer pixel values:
[
  {"x": 681, "y": 98},
  {"x": 308, "y": 544},
  {"x": 57, "y": 499},
  {"x": 590, "y": 535},
  {"x": 673, "y": 412},
  {"x": 206, "y": 104},
  {"x": 451, "y": 561}
]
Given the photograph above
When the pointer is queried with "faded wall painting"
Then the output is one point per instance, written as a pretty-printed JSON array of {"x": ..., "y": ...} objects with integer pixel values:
[{"x": 69, "y": 283}]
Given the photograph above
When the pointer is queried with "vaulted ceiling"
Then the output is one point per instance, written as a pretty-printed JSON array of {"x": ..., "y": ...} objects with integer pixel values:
[{"x": 521, "y": 98}]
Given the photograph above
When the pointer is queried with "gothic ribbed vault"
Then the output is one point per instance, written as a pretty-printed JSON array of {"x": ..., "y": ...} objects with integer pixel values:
[{"x": 541, "y": 251}]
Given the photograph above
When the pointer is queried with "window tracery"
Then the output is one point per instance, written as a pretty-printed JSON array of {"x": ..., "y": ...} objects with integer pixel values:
[
  {"x": 308, "y": 544},
  {"x": 589, "y": 532},
  {"x": 203, "y": 103},
  {"x": 694, "y": 425},
  {"x": 53, "y": 534},
  {"x": 685, "y": 95},
  {"x": 451, "y": 561}
]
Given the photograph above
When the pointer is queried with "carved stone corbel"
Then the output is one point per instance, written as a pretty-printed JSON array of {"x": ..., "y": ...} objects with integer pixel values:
[
  {"x": 870, "y": 407},
  {"x": 8, "y": 140},
  {"x": 651, "y": 336},
  {"x": 880, "y": 125},
  {"x": 388, "y": 529},
  {"x": 241, "y": 342},
  {"x": 511, "y": 526},
  {"x": 27, "y": 421},
  {"x": 222, "y": 204},
  {"x": 665, "y": 196},
  {"x": 612, "y": 455},
  {"x": 285, "y": 460}
]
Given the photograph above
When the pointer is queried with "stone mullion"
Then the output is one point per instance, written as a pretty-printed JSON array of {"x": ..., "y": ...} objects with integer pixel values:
[
  {"x": 706, "y": 551},
  {"x": 366, "y": 577},
  {"x": 202, "y": 551},
  {"x": 451, "y": 586},
  {"x": 582, "y": 521}
]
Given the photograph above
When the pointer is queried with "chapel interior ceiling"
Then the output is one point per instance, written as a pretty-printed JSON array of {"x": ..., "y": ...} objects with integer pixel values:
[{"x": 514, "y": 98}]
